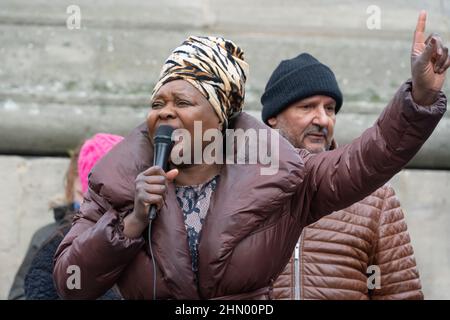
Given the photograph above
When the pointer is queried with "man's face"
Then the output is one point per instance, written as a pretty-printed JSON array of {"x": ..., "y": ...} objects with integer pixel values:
[{"x": 308, "y": 123}]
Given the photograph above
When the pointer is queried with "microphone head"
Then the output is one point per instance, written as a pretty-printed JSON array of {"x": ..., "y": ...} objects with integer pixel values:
[{"x": 164, "y": 134}]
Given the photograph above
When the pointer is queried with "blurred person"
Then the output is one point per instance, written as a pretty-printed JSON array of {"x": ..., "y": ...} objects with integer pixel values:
[
  {"x": 63, "y": 209},
  {"x": 332, "y": 257},
  {"x": 32, "y": 280},
  {"x": 39, "y": 278},
  {"x": 225, "y": 231}
]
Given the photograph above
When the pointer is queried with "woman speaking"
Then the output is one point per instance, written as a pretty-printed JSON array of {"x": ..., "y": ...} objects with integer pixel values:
[{"x": 224, "y": 230}]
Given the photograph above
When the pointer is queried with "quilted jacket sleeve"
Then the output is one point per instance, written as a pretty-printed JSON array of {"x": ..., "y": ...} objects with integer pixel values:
[
  {"x": 284, "y": 286},
  {"x": 97, "y": 247},
  {"x": 348, "y": 174},
  {"x": 394, "y": 254}
]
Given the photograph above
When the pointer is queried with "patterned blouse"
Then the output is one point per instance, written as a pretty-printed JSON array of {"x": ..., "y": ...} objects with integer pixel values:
[{"x": 194, "y": 202}]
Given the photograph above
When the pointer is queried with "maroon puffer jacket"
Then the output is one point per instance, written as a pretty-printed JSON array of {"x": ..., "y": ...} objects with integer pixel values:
[{"x": 253, "y": 222}]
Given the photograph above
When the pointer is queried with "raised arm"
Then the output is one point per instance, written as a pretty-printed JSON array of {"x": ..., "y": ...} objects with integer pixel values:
[{"x": 350, "y": 173}]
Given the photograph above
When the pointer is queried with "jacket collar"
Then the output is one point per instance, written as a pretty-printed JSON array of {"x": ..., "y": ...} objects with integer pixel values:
[{"x": 334, "y": 145}]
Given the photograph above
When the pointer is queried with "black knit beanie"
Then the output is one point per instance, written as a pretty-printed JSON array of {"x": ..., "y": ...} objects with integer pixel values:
[{"x": 295, "y": 79}]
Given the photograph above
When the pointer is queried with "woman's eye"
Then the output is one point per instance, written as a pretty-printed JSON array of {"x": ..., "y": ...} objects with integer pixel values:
[
  {"x": 156, "y": 105},
  {"x": 184, "y": 103}
]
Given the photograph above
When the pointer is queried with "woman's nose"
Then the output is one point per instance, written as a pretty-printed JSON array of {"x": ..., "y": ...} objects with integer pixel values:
[{"x": 167, "y": 112}]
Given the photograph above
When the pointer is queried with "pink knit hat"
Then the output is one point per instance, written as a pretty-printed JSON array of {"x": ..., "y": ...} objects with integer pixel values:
[{"x": 92, "y": 151}]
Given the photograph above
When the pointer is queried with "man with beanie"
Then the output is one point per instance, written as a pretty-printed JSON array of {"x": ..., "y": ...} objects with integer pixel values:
[
  {"x": 333, "y": 255},
  {"x": 294, "y": 88}
]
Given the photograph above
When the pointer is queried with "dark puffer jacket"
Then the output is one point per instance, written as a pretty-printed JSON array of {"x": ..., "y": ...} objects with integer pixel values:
[
  {"x": 39, "y": 283},
  {"x": 253, "y": 222},
  {"x": 41, "y": 236}
]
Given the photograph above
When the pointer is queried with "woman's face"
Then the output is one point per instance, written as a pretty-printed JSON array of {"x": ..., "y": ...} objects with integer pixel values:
[
  {"x": 179, "y": 104},
  {"x": 77, "y": 191}
]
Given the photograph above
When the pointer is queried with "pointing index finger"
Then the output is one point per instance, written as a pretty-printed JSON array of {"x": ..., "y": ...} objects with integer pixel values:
[{"x": 419, "y": 34}]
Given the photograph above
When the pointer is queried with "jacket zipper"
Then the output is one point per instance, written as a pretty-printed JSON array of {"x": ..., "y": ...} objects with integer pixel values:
[{"x": 296, "y": 271}]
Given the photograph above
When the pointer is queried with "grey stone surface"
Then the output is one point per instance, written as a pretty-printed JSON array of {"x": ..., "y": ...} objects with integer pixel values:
[
  {"x": 434, "y": 154},
  {"x": 56, "y": 128},
  {"x": 424, "y": 198},
  {"x": 122, "y": 44},
  {"x": 74, "y": 82},
  {"x": 27, "y": 186}
]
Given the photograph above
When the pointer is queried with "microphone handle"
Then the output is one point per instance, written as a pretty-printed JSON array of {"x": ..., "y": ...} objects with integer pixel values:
[
  {"x": 160, "y": 159},
  {"x": 152, "y": 212}
]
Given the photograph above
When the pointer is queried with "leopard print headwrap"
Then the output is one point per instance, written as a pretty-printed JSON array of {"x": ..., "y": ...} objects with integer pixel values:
[{"x": 213, "y": 65}]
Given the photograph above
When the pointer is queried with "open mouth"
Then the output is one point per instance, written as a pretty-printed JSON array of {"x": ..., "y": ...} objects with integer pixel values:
[{"x": 161, "y": 124}]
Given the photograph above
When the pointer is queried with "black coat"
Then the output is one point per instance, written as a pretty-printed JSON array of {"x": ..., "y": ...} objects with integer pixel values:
[
  {"x": 62, "y": 215},
  {"x": 39, "y": 278}
]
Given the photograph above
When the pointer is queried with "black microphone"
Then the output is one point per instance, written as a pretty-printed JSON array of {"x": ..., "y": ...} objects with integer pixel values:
[{"x": 162, "y": 148}]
